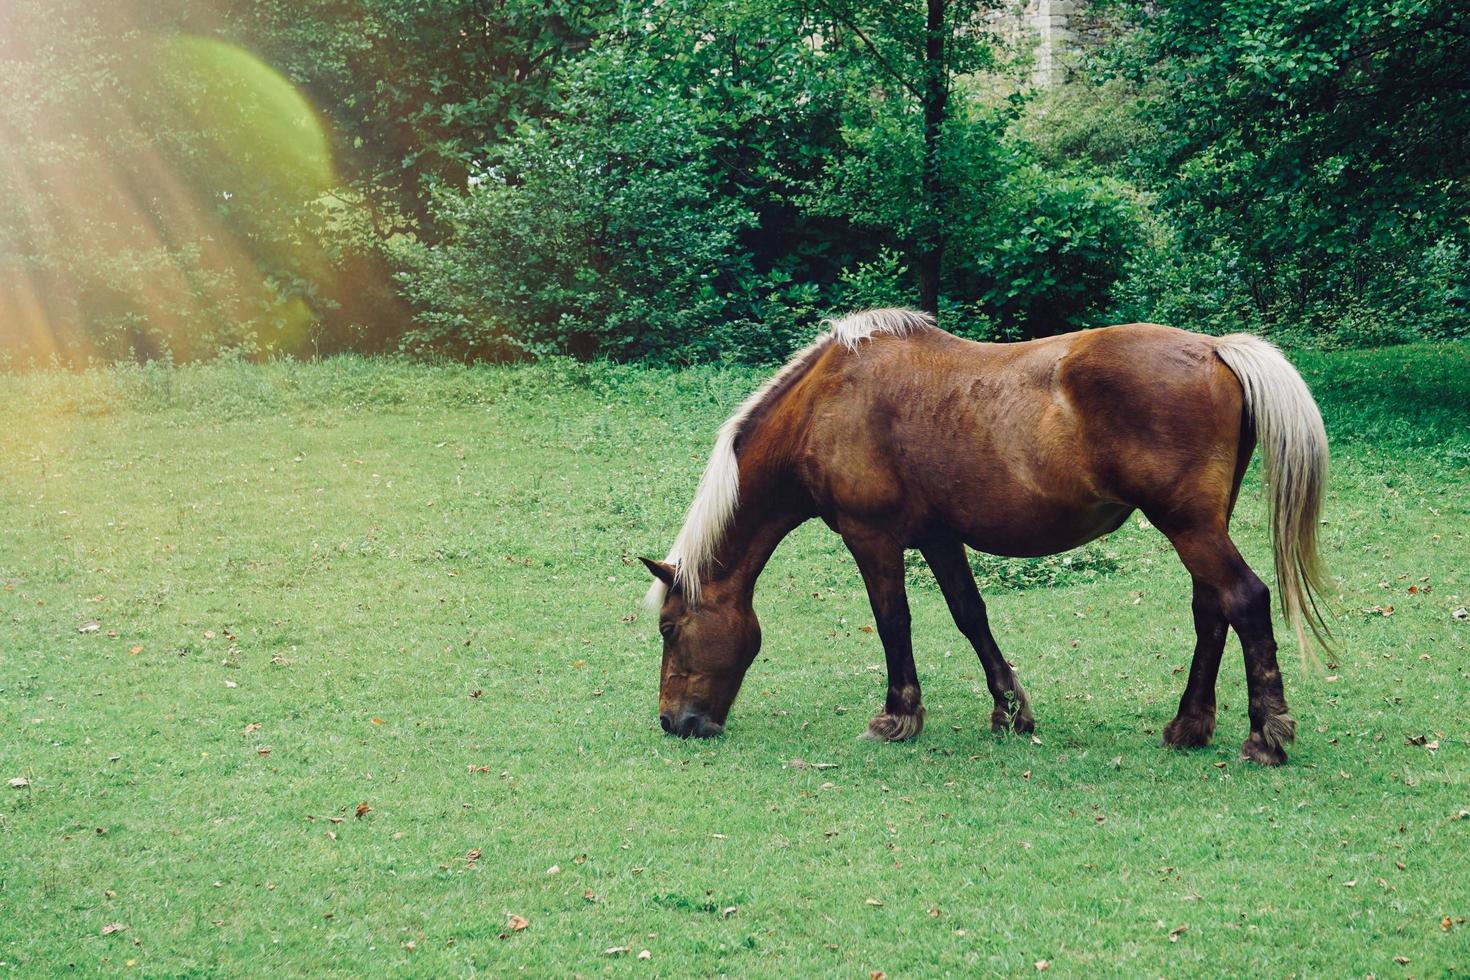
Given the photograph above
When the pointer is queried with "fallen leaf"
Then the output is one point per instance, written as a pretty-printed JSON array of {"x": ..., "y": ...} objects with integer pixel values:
[
  {"x": 209, "y": 634},
  {"x": 1043, "y": 965},
  {"x": 644, "y": 954},
  {"x": 1401, "y": 960},
  {"x": 589, "y": 895},
  {"x": 362, "y": 810},
  {"x": 19, "y": 782},
  {"x": 112, "y": 927},
  {"x": 517, "y": 922},
  {"x": 231, "y": 684},
  {"x": 410, "y": 945},
  {"x": 377, "y": 721},
  {"x": 137, "y": 649},
  {"x": 1350, "y": 884},
  {"x": 337, "y": 819},
  {"x": 1445, "y": 923},
  {"x": 1176, "y": 932},
  {"x": 877, "y": 975},
  {"x": 730, "y": 910},
  {"x": 90, "y": 626},
  {"x": 874, "y": 902},
  {"x": 1461, "y": 613},
  {"x": 254, "y": 726},
  {"x": 472, "y": 855},
  {"x": 615, "y": 951}
]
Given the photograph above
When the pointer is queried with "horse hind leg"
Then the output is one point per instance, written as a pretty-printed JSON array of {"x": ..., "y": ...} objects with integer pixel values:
[
  {"x": 1012, "y": 710},
  {"x": 1245, "y": 602},
  {"x": 1194, "y": 725}
]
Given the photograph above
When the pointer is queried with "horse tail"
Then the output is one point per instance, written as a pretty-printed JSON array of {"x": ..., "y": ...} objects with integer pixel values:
[{"x": 1294, "y": 453}]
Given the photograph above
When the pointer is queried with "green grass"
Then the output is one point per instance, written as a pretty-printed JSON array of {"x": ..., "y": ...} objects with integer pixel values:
[{"x": 418, "y": 583}]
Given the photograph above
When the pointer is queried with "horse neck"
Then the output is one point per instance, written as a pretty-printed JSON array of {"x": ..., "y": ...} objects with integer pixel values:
[{"x": 772, "y": 505}]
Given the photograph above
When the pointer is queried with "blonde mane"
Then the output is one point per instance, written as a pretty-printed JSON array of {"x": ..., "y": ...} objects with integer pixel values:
[{"x": 718, "y": 494}]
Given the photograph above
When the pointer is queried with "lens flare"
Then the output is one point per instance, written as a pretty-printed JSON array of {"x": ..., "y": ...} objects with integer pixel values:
[{"x": 170, "y": 203}]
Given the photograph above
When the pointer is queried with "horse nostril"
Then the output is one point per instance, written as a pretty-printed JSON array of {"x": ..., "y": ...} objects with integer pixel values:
[{"x": 666, "y": 721}]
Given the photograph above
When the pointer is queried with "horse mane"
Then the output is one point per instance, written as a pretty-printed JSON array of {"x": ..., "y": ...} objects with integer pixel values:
[{"x": 713, "y": 507}]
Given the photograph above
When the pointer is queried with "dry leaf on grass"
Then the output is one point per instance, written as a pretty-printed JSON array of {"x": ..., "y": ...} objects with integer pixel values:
[
  {"x": 516, "y": 922},
  {"x": 112, "y": 927},
  {"x": 362, "y": 810}
]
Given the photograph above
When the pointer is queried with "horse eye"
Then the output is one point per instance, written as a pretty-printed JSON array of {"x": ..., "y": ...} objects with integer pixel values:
[{"x": 667, "y": 629}]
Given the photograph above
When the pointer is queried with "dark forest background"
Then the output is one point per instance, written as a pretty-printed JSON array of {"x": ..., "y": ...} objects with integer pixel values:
[{"x": 690, "y": 180}]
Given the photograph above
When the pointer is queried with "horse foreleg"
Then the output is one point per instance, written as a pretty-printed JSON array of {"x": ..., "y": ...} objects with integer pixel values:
[
  {"x": 1194, "y": 725},
  {"x": 957, "y": 582},
  {"x": 1212, "y": 558},
  {"x": 880, "y": 560}
]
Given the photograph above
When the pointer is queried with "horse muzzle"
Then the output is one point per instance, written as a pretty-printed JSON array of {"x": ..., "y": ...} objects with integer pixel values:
[{"x": 690, "y": 724}]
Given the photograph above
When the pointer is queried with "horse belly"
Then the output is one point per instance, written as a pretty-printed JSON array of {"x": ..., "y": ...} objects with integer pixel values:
[{"x": 1040, "y": 529}]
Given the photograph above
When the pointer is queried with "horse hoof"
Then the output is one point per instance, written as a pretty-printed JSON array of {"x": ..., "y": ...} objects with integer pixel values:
[
  {"x": 895, "y": 728},
  {"x": 1002, "y": 721},
  {"x": 1188, "y": 732},
  {"x": 1256, "y": 750}
]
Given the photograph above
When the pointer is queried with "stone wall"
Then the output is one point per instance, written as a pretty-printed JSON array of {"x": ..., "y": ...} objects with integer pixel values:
[{"x": 1055, "y": 32}]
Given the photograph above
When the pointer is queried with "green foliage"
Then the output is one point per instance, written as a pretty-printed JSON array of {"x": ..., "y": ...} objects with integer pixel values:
[
  {"x": 1045, "y": 256},
  {"x": 601, "y": 232},
  {"x": 705, "y": 181},
  {"x": 1307, "y": 158},
  {"x": 693, "y": 198}
]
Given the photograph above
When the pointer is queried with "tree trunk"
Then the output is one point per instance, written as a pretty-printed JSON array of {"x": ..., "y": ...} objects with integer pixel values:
[{"x": 936, "y": 95}]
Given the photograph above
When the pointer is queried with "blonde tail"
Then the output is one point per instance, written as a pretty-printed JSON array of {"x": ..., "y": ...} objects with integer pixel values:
[{"x": 1294, "y": 452}]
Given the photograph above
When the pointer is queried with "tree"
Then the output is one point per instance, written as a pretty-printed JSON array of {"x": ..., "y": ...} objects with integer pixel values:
[{"x": 1320, "y": 150}]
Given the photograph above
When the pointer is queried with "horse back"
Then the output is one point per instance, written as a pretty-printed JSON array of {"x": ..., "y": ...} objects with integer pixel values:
[{"x": 1023, "y": 448}]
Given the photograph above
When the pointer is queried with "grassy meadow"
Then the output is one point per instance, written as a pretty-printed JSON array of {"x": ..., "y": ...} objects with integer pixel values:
[{"x": 339, "y": 669}]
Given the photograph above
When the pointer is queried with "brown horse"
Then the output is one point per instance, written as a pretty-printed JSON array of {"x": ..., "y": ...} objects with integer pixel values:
[{"x": 899, "y": 435}]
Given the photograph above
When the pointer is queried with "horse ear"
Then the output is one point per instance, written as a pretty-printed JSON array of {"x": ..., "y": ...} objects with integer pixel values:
[{"x": 661, "y": 570}]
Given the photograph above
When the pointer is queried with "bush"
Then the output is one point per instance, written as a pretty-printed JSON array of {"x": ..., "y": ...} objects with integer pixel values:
[{"x": 602, "y": 233}]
